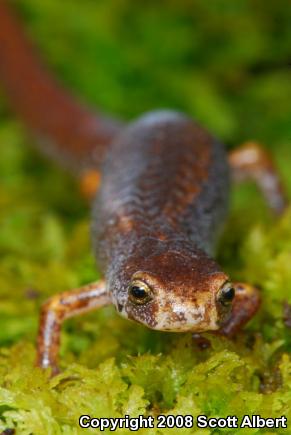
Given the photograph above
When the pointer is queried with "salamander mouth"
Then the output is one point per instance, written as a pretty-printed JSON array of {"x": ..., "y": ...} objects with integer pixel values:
[{"x": 185, "y": 318}]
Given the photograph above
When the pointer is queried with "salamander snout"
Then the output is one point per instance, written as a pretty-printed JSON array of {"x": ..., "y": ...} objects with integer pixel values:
[{"x": 175, "y": 295}]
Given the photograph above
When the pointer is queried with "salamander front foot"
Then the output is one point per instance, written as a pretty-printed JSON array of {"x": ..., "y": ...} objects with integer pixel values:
[{"x": 59, "y": 308}]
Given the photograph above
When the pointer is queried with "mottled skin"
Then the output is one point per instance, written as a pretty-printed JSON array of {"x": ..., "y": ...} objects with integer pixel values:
[{"x": 162, "y": 201}]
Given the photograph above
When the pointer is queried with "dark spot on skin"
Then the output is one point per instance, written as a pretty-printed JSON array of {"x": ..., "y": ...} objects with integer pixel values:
[{"x": 178, "y": 317}]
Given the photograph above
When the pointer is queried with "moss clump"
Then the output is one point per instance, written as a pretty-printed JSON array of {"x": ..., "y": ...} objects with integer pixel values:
[{"x": 237, "y": 85}]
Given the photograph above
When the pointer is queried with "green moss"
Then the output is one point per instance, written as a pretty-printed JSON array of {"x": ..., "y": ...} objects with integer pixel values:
[{"x": 226, "y": 64}]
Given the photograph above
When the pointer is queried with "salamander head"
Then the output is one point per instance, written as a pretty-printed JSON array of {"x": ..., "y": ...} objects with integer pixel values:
[{"x": 174, "y": 290}]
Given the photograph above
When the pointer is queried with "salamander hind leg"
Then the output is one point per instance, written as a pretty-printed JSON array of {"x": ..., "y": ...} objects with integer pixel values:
[
  {"x": 245, "y": 305},
  {"x": 252, "y": 161},
  {"x": 59, "y": 308}
]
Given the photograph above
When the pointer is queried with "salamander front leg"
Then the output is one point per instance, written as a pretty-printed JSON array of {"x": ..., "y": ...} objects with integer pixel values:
[
  {"x": 252, "y": 161},
  {"x": 245, "y": 305},
  {"x": 61, "y": 307}
]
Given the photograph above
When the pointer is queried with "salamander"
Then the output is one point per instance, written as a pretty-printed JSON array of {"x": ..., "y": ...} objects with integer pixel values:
[{"x": 160, "y": 206}]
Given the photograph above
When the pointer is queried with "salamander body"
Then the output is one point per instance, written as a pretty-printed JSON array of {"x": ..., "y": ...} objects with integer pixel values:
[{"x": 162, "y": 201}]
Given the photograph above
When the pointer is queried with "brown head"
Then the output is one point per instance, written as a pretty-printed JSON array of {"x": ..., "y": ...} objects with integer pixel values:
[{"x": 171, "y": 289}]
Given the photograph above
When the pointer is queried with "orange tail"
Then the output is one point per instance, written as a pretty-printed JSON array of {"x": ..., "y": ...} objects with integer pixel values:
[{"x": 66, "y": 130}]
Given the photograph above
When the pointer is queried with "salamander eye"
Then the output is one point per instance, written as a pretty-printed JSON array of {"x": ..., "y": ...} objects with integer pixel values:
[
  {"x": 139, "y": 292},
  {"x": 226, "y": 294}
]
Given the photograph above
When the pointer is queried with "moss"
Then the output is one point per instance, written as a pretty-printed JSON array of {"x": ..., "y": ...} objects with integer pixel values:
[{"x": 226, "y": 64}]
